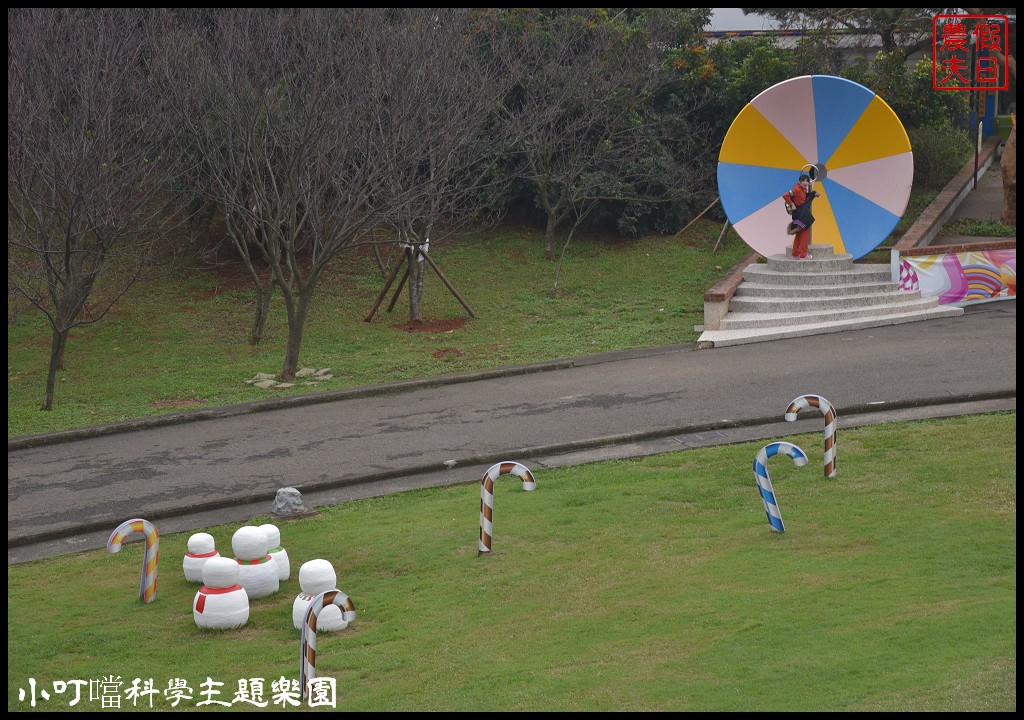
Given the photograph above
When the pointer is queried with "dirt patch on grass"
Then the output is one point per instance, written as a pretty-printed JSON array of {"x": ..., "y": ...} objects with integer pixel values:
[
  {"x": 432, "y": 326},
  {"x": 448, "y": 352}
]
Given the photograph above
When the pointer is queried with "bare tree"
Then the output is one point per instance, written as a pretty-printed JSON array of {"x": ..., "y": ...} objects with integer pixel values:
[
  {"x": 291, "y": 143},
  {"x": 443, "y": 84},
  {"x": 1008, "y": 163},
  {"x": 1008, "y": 166},
  {"x": 88, "y": 171},
  {"x": 579, "y": 110},
  {"x": 231, "y": 101}
]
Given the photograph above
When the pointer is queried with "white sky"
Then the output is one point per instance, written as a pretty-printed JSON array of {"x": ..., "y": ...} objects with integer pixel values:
[{"x": 734, "y": 19}]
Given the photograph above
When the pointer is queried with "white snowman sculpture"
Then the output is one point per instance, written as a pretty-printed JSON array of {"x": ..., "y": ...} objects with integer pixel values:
[
  {"x": 315, "y": 577},
  {"x": 200, "y": 549},
  {"x": 257, "y": 571},
  {"x": 221, "y": 603},
  {"x": 280, "y": 555}
]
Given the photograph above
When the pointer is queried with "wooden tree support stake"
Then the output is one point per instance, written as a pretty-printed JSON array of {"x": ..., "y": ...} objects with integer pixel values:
[
  {"x": 406, "y": 262},
  {"x": 387, "y": 286},
  {"x": 398, "y": 290},
  {"x": 720, "y": 237},
  {"x": 455, "y": 292}
]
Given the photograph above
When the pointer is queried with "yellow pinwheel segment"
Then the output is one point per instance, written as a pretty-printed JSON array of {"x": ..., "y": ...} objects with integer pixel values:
[
  {"x": 825, "y": 229},
  {"x": 752, "y": 140},
  {"x": 877, "y": 134}
]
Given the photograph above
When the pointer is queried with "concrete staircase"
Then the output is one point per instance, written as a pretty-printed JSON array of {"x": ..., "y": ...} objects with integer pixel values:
[{"x": 787, "y": 297}]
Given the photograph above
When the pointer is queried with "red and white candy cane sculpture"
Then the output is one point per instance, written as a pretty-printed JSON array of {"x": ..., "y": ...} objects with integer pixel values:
[
  {"x": 487, "y": 496},
  {"x": 307, "y": 663},
  {"x": 817, "y": 401},
  {"x": 147, "y": 588}
]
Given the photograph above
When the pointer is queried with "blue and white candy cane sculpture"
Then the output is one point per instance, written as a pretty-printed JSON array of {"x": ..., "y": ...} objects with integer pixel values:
[{"x": 764, "y": 483}]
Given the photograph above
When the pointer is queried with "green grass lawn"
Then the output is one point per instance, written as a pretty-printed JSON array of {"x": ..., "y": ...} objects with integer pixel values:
[
  {"x": 972, "y": 227},
  {"x": 653, "y": 584},
  {"x": 182, "y": 342}
]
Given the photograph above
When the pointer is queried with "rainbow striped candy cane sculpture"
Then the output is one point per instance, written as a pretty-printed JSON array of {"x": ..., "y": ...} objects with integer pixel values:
[
  {"x": 487, "y": 496},
  {"x": 817, "y": 401},
  {"x": 147, "y": 589},
  {"x": 764, "y": 483},
  {"x": 307, "y": 662}
]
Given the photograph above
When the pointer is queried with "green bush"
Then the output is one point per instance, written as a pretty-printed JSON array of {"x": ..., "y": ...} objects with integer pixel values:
[{"x": 940, "y": 150}]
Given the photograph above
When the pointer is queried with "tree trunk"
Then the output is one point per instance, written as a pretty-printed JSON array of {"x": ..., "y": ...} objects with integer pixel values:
[
  {"x": 68, "y": 312},
  {"x": 549, "y": 237},
  {"x": 244, "y": 233},
  {"x": 1008, "y": 168},
  {"x": 296, "y": 326},
  {"x": 415, "y": 285},
  {"x": 259, "y": 320},
  {"x": 57, "y": 343},
  {"x": 59, "y": 360}
]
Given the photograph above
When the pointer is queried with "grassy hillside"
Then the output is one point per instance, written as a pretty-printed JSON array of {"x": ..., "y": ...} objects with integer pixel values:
[{"x": 182, "y": 342}]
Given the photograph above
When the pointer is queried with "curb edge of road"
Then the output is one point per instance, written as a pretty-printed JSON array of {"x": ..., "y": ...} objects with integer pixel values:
[
  {"x": 24, "y": 442},
  {"x": 292, "y": 401},
  {"x": 363, "y": 391},
  {"x": 518, "y": 454}
]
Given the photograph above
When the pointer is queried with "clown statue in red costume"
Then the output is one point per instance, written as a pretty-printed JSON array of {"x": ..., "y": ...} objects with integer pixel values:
[{"x": 798, "y": 204}]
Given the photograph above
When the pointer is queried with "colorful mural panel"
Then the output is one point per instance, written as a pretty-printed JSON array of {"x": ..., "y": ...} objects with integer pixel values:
[{"x": 961, "y": 277}]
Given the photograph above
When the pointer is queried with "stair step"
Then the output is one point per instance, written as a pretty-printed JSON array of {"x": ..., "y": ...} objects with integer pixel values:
[
  {"x": 772, "y": 275},
  {"x": 725, "y": 338},
  {"x": 818, "y": 264},
  {"x": 796, "y": 303},
  {"x": 788, "y": 297},
  {"x": 815, "y": 250},
  {"x": 758, "y": 290},
  {"x": 747, "y": 320}
]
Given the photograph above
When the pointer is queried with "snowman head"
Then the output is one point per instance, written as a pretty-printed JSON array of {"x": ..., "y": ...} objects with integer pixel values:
[
  {"x": 201, "y": 544},
  {"x": 220, "y": 572},
  {"x": 273, "y": 535},
  {"x": 250, "y": 543},
  {"x": 317, "y": 576}
]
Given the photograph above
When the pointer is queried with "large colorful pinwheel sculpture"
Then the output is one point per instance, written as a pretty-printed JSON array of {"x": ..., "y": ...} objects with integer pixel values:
[{"x": 846, "y": 137}]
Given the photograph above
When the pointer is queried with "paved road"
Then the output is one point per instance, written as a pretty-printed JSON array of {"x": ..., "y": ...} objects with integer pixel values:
[{"x": 68, "y": 496}]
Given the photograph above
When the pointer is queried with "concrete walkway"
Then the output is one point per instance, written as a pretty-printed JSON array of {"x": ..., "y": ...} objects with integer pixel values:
[{"x": 984, "y": 202}]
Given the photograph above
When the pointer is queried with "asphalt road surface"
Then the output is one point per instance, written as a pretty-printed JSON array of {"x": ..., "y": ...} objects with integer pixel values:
[{"x": 68, "y": 496}]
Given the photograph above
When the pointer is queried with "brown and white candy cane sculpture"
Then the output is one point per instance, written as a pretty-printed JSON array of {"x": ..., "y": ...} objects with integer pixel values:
[
  {"x": 817, "y": 401},
  {"x": 487, "y": 496},
  {"x": 307, "y": 663}
]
